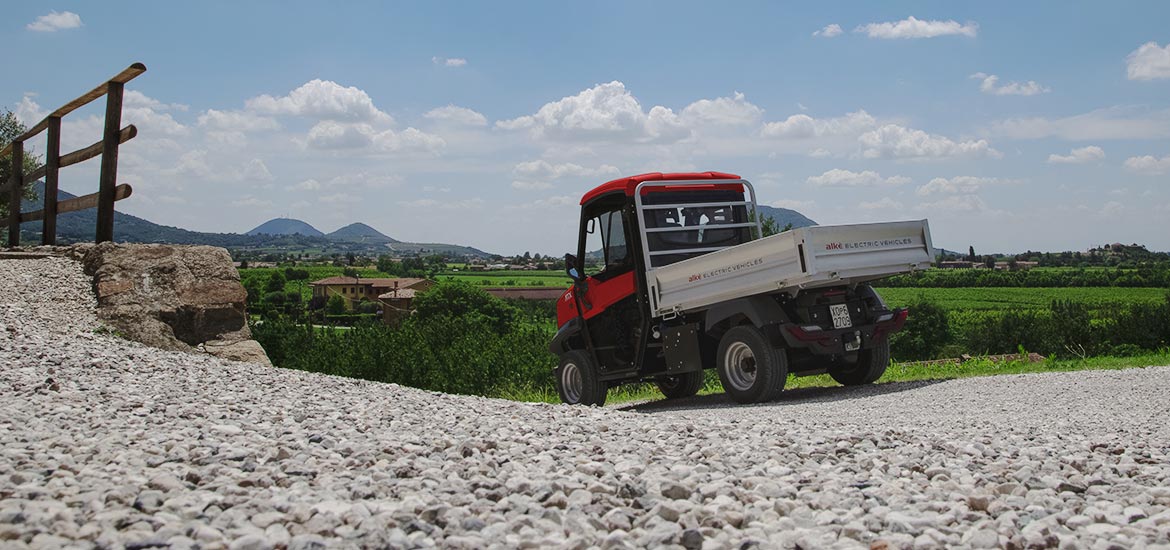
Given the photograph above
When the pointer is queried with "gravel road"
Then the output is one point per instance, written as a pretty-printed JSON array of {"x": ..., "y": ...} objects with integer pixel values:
[{"x": 106, "y": 443}]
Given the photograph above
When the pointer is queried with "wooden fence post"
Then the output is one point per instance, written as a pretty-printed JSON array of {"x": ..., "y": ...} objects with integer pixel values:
[
  {"x": 16, "y": 184},
  {"x": 52, "y": 167},
  {"x": 109, "y": 174}
]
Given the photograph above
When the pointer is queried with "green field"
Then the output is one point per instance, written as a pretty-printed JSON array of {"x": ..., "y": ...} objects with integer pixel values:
[
  {"x": 555, "y": 279},
  {"x": 994, "y": 299}
]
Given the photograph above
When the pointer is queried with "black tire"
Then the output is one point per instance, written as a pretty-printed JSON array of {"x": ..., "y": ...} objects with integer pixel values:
[
  {"x": 870, "y": 365},
  {"x": 577, "y": 380},
  {"x": 751, "y": 369},
  {"x": 683, "y": 385}
]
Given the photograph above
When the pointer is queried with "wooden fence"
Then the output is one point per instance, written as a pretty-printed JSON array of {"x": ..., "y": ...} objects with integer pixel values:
[{"x": 108, "y": 190}]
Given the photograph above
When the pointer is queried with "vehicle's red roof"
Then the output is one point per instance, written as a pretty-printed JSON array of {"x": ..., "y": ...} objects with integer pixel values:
[{"x": 628, "y": 184}]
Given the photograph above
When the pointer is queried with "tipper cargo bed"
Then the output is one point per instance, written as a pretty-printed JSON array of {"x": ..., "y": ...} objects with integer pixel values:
[{"x": 685, "y": 283}]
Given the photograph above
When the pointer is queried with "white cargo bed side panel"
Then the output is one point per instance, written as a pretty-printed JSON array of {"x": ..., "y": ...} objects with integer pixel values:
[
  {"x": 860, "y": 252},
  {"x": 751, "y": 268}
]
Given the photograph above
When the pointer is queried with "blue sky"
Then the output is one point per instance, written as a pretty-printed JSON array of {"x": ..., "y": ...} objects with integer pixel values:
[{"x": 1010, "y": 126}]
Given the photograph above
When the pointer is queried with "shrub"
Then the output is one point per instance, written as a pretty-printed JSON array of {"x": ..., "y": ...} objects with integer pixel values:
[{"x": 926, "y": 332}]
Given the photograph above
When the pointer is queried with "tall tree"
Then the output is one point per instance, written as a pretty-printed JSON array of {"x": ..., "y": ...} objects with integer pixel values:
[{"x": 10, "y": 128}]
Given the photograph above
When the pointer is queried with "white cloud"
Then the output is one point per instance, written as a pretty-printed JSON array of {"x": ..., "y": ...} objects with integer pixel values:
[
  {"x": 962, "y": 184},
  {"x": 457, "y": 115},
  {"x": 256, "y": 170},
  {"x": 917, "y": 28},
  {"x": 729, "y": 111},
  {"x": 1148, "y": 62},
  {"x": 55, "y": 21},
  {"x": 955, "y": 203},
  {"x": 340, "y": 198},
  {"x": 560, "y": 201},
  {"x": 990, "y": 85},
  {"x": 329, "y": 134},
  {"x": 792, "y": 204},
  {"x": 307, "y": 185},
  {"x": 838, "y": 178},
  {"x": 466, "y": 204},
  {"x": 236, "y": 121},
  {"x": 248, "y": 201},
  {"x": 449, "y": 61},
  {"x": 544, "y": 169},
  {"x": 29, "y": 112},
  {"x": 819, "y": 152},
  {"x": 894, "y": 141},
  {"x": 886, "y": 203},
  {"x": 829, "y": 31},
  {"x": 324, "y": 100},
  {"x": 804, "y": 126},
  {"x": 605, "y": 112},
  {"x": 1078, "y": 156},
  {"x": 1148, "y": 165},
  {"x": 531, "y": 185},
  {"x": 135, "y": 98},
  {"x": 1109, "y": 123}
]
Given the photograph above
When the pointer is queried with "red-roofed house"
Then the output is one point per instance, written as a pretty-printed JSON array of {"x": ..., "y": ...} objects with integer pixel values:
[{"x": 390, "y": 292}]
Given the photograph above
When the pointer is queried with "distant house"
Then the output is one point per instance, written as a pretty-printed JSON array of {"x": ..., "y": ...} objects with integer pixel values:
[{"x": 356, "y": 289}]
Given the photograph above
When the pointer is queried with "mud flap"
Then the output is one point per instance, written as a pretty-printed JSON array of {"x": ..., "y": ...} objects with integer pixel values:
[{"x": 681, "y": 347}]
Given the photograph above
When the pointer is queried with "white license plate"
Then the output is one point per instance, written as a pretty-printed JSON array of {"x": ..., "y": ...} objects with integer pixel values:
[{"x": 840, "y": 313}]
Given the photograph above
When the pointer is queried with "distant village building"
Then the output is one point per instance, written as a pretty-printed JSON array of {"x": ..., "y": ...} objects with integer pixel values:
[
  {"x": 395, "y": 294},
  {"x": 956, "y": 265}
]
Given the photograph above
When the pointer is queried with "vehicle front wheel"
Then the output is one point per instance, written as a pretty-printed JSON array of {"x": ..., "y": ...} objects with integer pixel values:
[
  {"x": 870, "y": 365},
  {"x": 751, "y": 369},
  {"x": 577, "y": 380},
  {"x": 683, "y": 385}
]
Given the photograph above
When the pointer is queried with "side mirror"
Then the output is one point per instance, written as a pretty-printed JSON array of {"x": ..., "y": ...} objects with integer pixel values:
[{"x": 571, "y": 267}]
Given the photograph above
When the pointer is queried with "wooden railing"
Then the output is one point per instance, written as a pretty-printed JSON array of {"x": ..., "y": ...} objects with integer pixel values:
[{"x": 108, "y": 190}]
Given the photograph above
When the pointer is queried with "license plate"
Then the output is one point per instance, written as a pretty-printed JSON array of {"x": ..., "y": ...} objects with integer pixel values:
[
  {"x": 855, "y": 344},
  {"x": 840, "y": 313}
]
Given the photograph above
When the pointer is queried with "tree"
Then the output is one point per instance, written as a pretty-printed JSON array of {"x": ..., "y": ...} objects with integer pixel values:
[
  {"x": 276, "y": 282},
  {"x": 349, "y": 258},
  {"x": 351, "y": 272},
  {"x": 460, "y": 299},
  {"x": 335, "y": 305},
  {"x": 971, "y": 254},
  {"x": 10, "y": 128}
]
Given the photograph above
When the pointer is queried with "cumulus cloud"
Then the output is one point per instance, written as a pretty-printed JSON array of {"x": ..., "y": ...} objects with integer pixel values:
[
  {"x": 990, "y": 85},
  {"x": 329, "y": 134},
  {"x": 955, "y": 203},
  {"x": 449, "y": 61},
  {"x": 1080, "y": 155},
  {"x": 307, "y": 185},
  {"x": 531, "y": 185},
  {"x": 845, "y": 178},
  {"x": 238, "y": 121},
  {"x": 804, "y": 126},
  {"x": 545, "y": 169},
  {"x": 605, "y": 112},
  {"x": 886, "y": 203},
  {"x": 1149, "y": 62},
  {"x": 918, "y": 28},
  {"x": 55, "y": 21},
  {"x": 961, "y": 184},
  {"x": 1110, "y": 123},
  {"x": 457, "y": 115},
  {"x": 324, "y": 100},
  {"x": 1148, "y": 165},
  {"x": 792, "y": 204},
  {"x": 829, "y": 31},
  {"x": 894, "y": 141},
  {"x": 731, "y": 111}
]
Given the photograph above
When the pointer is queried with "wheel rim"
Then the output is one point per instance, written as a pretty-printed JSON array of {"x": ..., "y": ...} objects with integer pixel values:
[
  {"x": 571, "y": 382},
  {"x": 669, "y": 383},
  {"x": 739, "y": 365}
]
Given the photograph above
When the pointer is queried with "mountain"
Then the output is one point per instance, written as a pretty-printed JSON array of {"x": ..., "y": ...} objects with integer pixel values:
[
  {"x": 81, "y": 226},
  {"x": 285, "y": 226},
  {"x": 784, "y": 216},
  {"x": 359, "y": 232}
]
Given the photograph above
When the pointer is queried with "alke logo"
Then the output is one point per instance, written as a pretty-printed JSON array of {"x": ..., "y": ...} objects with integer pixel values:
[{"x": 834, "y": 246}]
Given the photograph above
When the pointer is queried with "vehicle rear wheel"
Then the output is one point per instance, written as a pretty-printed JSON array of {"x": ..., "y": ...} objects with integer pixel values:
[
  {"x": 750, "y": 368},
  {"x": 683, "y": 385},
  {"x": 870, "y": 365},
  {"x": 577, "y": 380}
]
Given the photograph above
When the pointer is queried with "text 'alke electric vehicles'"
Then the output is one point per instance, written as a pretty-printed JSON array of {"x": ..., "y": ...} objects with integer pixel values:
[{"x": 685, "y": 284}]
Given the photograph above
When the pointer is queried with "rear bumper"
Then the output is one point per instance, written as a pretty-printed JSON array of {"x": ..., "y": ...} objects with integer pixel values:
[{"x": 832, "y": 342}]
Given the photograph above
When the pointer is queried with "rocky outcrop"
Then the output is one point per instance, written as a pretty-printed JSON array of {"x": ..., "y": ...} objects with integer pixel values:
[{"x": 172, "y": 297}]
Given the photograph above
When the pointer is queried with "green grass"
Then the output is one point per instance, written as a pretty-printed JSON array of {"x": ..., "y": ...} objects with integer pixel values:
[
  {"x": 991, "y": 299},
  {"x": 518, "y": 278},
  {"x": 898, "y": 372}
]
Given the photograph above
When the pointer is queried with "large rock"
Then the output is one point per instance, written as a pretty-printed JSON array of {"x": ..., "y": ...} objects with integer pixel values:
[{"x": 173, "y": 297}]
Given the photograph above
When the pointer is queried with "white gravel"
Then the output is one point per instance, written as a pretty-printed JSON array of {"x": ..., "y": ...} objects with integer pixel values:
[{"x": 106, "y": 443}]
